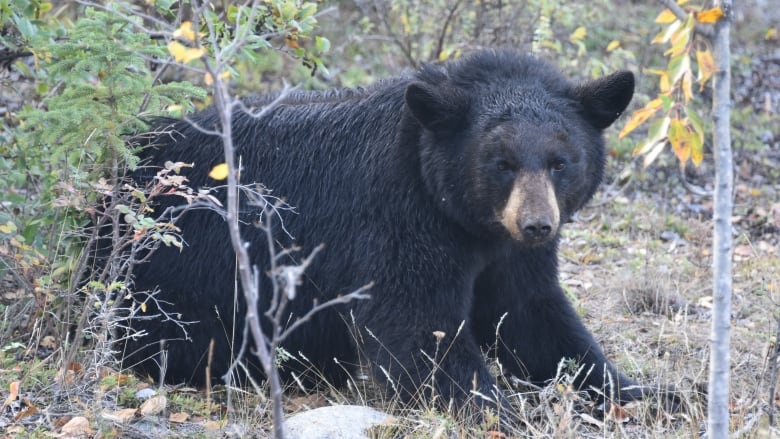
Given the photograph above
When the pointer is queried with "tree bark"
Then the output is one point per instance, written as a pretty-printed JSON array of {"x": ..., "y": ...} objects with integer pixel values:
[{"x": 718, "y": 409}]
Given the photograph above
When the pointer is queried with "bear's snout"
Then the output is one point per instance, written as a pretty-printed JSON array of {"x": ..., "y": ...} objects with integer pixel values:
[
  {"x": 537, "y": 229},
  {"x": 531, "y": 213}
]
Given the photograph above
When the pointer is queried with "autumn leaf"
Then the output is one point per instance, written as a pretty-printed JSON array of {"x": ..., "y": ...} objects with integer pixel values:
[
  {"x": 292, "y": 42},
  {"x": 578, "y": 34},
  {"x": 185, "y": 31},
  {"x": 219, "y": 172},
  {"x": 619, "y": 414},
  {"x": 697, "y": 149},
  {"x": 178, "y": 418},
  {"x": 667, "y": 33},
  {"x": 184, "y": 54},
  {"x": 29, "y": 410},
  {"x": 680, "y": 138},
  {"x": 656, "y": 133},
  {"x": 687, "y": 81},
  {"x": 13, "y": 394},
  {"x": 121, "y": 416},
  {"x": 709, "y": 16},
  {"x": 678, "y": 65},
  {"x": 665, "y": 17},
  {"x": 77, "y": 427},
  {"x": 8, "y": 228},
  {"x": 614, "y": 44},
  {"x": 640, "y": 116},
  {"x": 209, "y": 80},
  {"x": 706, "y": 65},
  {"x": 153, "y": 406}
]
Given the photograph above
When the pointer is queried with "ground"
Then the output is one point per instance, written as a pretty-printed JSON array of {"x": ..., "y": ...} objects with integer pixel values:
[{"x": 637, "y": 264}]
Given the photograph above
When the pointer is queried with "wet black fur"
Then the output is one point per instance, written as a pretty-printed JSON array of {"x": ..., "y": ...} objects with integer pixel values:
[{"x": 399, "y": 181}]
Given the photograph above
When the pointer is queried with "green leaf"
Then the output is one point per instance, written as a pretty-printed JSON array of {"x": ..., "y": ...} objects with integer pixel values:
[{"x": 322, "y": 44}]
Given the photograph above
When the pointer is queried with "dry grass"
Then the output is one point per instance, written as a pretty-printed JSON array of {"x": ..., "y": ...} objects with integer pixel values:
[{"x": 646, "y": 298}]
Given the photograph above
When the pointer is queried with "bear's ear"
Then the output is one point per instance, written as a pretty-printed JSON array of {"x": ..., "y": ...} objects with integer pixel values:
[
  {"x": 604, "y": 99},
  {"x": 432, "y": 109}
]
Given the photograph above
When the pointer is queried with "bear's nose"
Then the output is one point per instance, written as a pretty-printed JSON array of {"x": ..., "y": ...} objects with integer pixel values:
[{"x": 537, "y": 229}]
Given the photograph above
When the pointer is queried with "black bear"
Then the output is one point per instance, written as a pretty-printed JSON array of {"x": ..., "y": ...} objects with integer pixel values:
[{"x": 446, "y": 187}]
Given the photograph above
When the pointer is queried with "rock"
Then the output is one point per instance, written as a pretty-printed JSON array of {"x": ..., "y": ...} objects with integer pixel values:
[{"x": 334, "y": 422}]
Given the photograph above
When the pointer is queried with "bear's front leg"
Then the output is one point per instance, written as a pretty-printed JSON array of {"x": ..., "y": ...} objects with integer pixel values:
[
  {"x": 540, "y": 327},
  {"x": 419, "y": 342}
]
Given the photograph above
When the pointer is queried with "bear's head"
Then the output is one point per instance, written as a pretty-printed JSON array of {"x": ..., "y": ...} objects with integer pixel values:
[{"x": 508, "y": 146}]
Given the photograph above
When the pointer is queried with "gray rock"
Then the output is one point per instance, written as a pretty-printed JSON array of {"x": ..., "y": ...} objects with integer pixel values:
[{"x": 334, "y": 422}]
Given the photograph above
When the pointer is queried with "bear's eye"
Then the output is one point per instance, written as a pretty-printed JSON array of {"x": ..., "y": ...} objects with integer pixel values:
[
  {"x": 558, "y": 165},
  {"x": 503, "y": 166}
]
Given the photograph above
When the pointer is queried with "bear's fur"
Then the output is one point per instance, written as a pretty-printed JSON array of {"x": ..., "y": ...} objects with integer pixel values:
[{"x": 447, "y": 188}]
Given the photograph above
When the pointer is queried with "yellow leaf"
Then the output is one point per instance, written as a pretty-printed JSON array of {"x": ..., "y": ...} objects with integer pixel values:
[
  {"x": 706, "y": 65},
  {"x": 680, "y": 138},
  {"x": 709, "y": 16},
  {"x": 687, "y": 80},
  {"x": 219, "y": 172},
  {"x": 8, "y": 228},
  {"x": 184, "y": 54},
  {"x": 771, "y": 34},
  {"x": 578, "y": 34},
  {"x": 667, "y": 33},
  {"x": 185, "y": 31},
  {"x": 697, "y": 149},
  {"x": 665, "y": 17},
  {"x": 664, "y": 84},
  {"x": 640, "y": 116},
  {"x": 614, "y": 44},
  {"x": 209, "y": 80},
  {"x": 143, "y": 306}
]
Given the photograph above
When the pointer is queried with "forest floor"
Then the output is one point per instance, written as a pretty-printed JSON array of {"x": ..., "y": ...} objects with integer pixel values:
[{"x": 636, "y": 263}]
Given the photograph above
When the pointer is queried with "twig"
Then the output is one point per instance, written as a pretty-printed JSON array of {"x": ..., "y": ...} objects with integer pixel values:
[
  {"x": 444, "y": 26},
  {"x": 682, "y": 16},
  {"x": 773, "y": 358}
]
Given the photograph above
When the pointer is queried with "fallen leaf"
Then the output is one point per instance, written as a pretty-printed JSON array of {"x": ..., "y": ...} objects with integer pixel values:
[
  {"x": 29, "y": 410},
  {"x": 743, "y": 250},
  {"x": 618, "y": 414},
  {"x": 178, "y": 418},
  {"x": 122, "y": 416},
  {"x": 13, "y": 395},
  {"x": 78, "y": 426},
  {"x": 62, "y": 420},
  {"x": 14, "y": 430},
  {"x": 49, "y": 342},
  {"x": 153, "y": 406}
]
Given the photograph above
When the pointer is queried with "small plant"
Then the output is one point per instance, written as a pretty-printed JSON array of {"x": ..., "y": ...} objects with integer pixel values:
[{"x": 674, "y": 117}]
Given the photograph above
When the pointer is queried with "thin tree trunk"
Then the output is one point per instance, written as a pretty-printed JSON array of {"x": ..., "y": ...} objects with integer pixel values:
[{"x": 718, "y": 410}]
